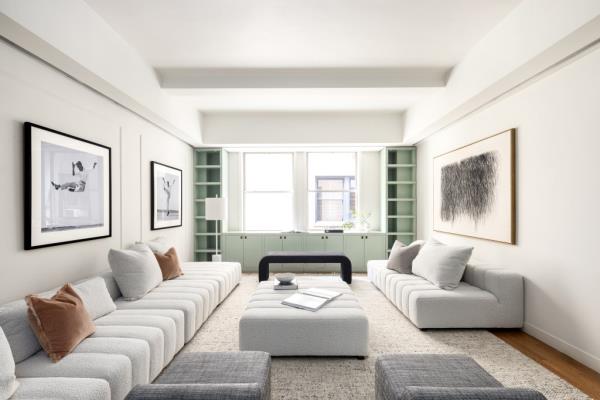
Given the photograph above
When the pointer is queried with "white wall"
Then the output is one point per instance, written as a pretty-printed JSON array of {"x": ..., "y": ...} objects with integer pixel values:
[
  {"x": 558, "y": 192},
  {"x": 30, "y": 90},
  {"x": 241, "y": 128}
]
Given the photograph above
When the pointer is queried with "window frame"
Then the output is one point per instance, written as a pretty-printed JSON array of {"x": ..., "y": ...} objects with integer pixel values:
[
  {"x": 292, "y": 190},
  {"x": 309, "y": 224}
]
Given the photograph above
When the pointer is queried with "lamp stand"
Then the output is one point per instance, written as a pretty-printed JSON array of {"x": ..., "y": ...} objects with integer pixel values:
[{"x": 216, "y": 257}]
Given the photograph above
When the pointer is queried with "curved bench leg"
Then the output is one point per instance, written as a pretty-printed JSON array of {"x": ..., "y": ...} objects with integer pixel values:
[
  {"x": 346, "y": 272},
  {"x": 263, "y": 271}
]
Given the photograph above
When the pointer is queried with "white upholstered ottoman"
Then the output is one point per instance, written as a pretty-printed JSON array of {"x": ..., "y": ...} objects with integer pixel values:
[{"x": 340, "y": 328}]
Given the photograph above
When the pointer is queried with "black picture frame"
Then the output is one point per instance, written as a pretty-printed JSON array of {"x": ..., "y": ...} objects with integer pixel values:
[
  {"x": 156, "y": 222},
  {"x": 34, "y": 239}
]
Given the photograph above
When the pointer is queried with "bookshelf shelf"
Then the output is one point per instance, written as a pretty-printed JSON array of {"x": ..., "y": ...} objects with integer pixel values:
[
  {"x": 208, "y": 166},
  {"x": 401, "y": 194}
]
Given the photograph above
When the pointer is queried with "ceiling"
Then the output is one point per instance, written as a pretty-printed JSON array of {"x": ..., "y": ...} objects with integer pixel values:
[{"x": 325, "y": 37}]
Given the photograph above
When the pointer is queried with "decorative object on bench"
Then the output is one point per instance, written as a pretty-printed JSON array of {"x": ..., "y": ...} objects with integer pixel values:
[
  {"x": 59, "y": 323},
  {"x": 486, "y": 297},
  {"x": 216, "y": 210},
  {"x": 441, "y": 264},
  {"x": 341, "y": 328},
  {"x": 285, "y": 281},
  {"x": 166, "y": 196},
  {"x": 474, "y": 189},
  {"x": 440, "y": 376},
  {"x": 67, "y": 188},
  {"x": 284, "y": 257},
  {"x": 401, "y": 256},
  {"x": 242, "y": 375}
]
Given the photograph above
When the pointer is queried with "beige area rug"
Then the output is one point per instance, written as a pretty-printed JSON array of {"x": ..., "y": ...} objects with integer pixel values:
[{"x": 390, "y": 332}]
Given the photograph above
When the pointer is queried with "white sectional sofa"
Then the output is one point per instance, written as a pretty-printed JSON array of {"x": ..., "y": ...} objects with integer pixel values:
[
  {"x": 131, "y": 345},
  {"x": 487, "y": 297}
]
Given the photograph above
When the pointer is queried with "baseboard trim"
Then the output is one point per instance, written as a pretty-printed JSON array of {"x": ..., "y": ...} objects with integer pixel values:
[{"x": 559, "y": 344}]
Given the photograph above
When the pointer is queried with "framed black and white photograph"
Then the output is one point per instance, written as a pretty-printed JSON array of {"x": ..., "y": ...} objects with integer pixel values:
[
  {"x": 166, "y": 204},
  {"x": 474, "y": 189},
  {"x": 67, "y": 188}
]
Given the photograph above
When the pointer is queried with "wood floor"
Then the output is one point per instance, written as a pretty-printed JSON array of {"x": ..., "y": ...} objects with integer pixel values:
[{"x": 577, "y": 374}]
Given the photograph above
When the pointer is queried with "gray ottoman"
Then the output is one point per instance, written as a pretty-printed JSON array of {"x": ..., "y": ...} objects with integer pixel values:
[
  {"x": 211, "y": 376},
  {"x": 434, "y": 376},
  {"x": 340, "y": 328}
]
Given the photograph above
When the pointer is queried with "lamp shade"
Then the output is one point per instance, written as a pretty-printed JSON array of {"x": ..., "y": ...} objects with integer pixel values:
[{"x": 215, "y": 208}]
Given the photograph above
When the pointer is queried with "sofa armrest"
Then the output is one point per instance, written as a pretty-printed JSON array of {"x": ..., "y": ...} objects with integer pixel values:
[
  {"x": 469, "y": 393},
  {"x": 507, "y": 286},
  {"x": 204, "y": 391}
]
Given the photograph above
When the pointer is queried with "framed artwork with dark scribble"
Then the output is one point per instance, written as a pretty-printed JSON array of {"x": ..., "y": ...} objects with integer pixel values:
[
  {"x": 166, "y": 196},
  {"x": 474, "y": 189}
]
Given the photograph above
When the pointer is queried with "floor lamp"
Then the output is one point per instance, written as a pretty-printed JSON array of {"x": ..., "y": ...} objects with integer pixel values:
[{"x": 215, "y": 211}]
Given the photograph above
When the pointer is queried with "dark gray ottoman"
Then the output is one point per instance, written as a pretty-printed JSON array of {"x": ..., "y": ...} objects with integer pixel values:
[
  {"x": 244, "y": 375},
  {"x": 436, "y": 376}
]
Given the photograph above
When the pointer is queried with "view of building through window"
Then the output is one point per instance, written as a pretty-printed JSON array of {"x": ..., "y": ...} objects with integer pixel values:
[{"x": 331, "y": 188}]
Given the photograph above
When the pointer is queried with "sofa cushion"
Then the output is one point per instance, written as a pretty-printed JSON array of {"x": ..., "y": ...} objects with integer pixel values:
[
  {"x": 402, "y": 256},
  {"x": 95, "y": 297},
  {"x": 441, "y": 264},
  {"x": 207, "y": 301},
  {"x": 62, "y": 389},
  {"x": 59, "y": 323},
  {"x": 14, "y": 322},
  {"x": 170, "y": 322},
  {"x": 212, "y": 287},
  {"x": 188, "y": 308},
  {"x": 113, "y": 368},
  {"x": 8, "y": 380},
  {"x": 169, "y": 264},
  {"x": 135, "y": 270},
  {"x": 137, "y": 350}
]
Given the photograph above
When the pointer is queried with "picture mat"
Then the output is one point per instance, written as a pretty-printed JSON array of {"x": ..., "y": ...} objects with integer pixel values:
[
  {"x": 39, "y": 238},
  {"x": 497, "y": 225},
  {"x": 159, "y": 220},
  {"x": 58, "y": 167}
]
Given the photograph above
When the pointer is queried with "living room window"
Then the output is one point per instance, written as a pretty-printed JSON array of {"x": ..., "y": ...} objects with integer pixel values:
[
  {"x": 332, "y": 194},
  {"x": 268, "y": 191}
]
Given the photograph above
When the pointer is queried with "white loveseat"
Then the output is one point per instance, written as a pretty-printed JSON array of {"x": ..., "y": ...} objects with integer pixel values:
[
  {"x": 131, "y": 345},
  {"x": 487, "y": 297}
]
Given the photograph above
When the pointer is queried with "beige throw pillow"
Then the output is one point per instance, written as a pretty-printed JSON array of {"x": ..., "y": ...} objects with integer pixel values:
[{"x": 169, "y": 264}]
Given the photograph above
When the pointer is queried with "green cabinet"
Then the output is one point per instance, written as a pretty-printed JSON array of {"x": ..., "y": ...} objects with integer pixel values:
[
  {"x": 361, "y": 248},
  {"x": 273, "y": 243},
  {"x": 292, "y": 242},
  {"x": 245, "y": 249}
]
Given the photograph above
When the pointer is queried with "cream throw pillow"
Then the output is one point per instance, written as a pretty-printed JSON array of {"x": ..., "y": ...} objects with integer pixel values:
[
  {"x": 135, "y": 270},
  {"x": 442, "y": 265}
]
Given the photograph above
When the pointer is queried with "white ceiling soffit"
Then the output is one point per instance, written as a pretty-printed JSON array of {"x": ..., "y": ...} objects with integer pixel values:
[
  {"x": 307, "y": 99},
  {"x": 203, "y": 78}
]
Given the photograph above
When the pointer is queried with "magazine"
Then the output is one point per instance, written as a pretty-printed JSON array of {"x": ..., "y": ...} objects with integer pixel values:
[{"x": 310, "y": 299}]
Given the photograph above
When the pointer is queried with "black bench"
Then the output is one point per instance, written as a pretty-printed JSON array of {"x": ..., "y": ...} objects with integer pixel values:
[{"x": 309, "y": 257}]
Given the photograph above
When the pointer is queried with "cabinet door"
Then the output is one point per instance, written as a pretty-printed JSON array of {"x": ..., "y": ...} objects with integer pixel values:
[
  {"x": 233, "y": 248},
  {"x": 333, "y": 242},
  {"x": 273, "y": 243},
  {"x": 354, "y": 248},
  {"x": 315, "y": 242},
  {"x": 293, "y": 242},
  {"x": 374, "y": 248},
  {"x": 253, "y": 252}
]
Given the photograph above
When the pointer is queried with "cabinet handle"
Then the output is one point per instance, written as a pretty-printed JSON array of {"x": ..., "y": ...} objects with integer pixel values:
[
  {"x": 280, "y": 237},
  {"x": 285, "y": 237},
  {"x": 326, "y": 237},
  {"x": 322, "y": 237},
  {"x": 362, "y": 237},
  {"x": 245, "y": 237},
  {"x": 241, "y": 237},
  {"x": 366, "y": 237}
]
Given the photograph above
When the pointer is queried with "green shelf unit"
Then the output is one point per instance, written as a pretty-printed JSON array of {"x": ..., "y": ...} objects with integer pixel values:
[
  {"x": 401, "y": 194},
  {"x": 208, "y": 178}
]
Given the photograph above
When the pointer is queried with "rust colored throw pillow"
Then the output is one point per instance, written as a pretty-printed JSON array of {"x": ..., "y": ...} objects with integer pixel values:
[
  {"x": 60, "y": 323},
  {"x": 169, "y": 264}
]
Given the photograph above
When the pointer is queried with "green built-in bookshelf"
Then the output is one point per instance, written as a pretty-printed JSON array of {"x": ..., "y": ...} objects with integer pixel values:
[
  {"x": 208, "y": 182},
  {"x": 401, "y": 195}
]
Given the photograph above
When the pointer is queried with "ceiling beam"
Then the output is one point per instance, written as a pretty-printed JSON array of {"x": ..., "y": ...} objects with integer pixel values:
[{"x": 261, "y": 78}]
